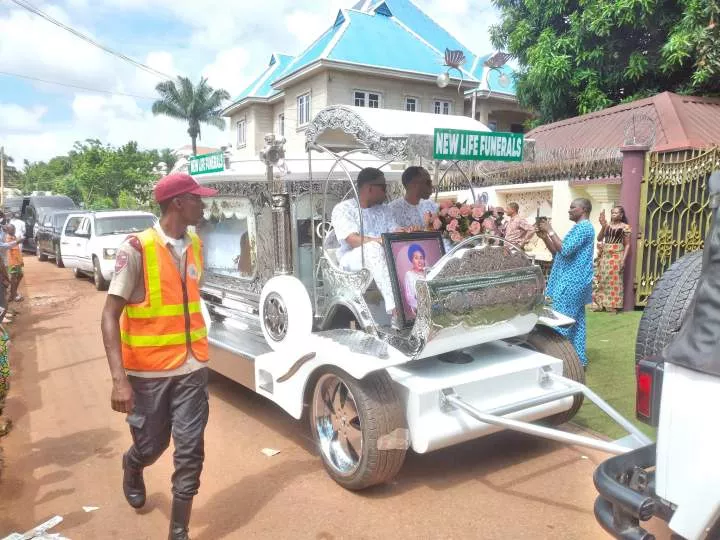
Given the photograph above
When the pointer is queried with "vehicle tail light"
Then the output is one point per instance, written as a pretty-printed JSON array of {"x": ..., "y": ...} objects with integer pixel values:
[{"x": 649, "y": 373}]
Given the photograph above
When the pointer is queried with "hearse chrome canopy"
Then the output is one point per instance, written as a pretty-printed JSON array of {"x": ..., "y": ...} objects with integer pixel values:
[{"x": 393, "y": 135}]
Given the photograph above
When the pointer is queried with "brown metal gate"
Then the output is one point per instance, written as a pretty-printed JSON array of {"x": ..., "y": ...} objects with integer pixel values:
[{"x": 674, "y": 213}]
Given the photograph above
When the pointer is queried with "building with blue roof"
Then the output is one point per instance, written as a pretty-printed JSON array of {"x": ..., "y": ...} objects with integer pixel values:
[{"x": 378, "y": 54}]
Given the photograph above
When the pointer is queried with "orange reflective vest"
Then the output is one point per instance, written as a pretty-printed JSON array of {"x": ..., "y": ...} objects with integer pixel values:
[
  {"x": 14, "y": 257},
  {"x": 158, "y": 332}
]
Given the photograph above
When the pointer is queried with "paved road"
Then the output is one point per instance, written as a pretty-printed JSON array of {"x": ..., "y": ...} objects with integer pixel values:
[{"x": 64, "y": 453}]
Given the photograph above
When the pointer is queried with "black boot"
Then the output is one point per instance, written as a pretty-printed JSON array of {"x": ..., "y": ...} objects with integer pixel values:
[
  {"x": 133, "y": 484},
  {"x": 180, "y": 519}
]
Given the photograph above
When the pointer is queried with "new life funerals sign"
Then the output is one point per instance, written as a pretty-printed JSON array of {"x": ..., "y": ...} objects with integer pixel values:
[
  {"x": 459, "y": 145},
  {"x": 207, "y": 163}
]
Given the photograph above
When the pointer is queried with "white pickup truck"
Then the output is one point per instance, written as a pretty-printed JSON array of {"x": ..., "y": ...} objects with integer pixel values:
[
  {"x": 678, "y": 391},
  {"x": 89, "y": 241}
]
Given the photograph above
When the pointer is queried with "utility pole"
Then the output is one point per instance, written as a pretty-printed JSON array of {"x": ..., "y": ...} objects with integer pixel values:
[{"x": 2, "y": 175}]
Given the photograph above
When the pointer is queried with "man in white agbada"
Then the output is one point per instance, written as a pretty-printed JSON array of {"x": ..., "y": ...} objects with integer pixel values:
[
  {"x": 376, "y": 220},
  {"x": 410, "y": 212}
]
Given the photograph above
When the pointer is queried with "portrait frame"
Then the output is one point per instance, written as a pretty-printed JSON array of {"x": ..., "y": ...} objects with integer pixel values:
[{"x": 399, "y": 253}]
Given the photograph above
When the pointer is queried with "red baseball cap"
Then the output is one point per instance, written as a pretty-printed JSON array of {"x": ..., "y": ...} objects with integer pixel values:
[{"x": 176, "y": 184}]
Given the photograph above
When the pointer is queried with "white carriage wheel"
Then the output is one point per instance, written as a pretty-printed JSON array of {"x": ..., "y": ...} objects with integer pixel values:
[{"x": 286, "y": 315}]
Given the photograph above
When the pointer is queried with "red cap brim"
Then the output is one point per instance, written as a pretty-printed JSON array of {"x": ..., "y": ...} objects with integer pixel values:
[{"x": 204, "y": 191}]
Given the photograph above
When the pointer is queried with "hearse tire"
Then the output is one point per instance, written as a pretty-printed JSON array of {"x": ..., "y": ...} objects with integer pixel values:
[
  {"x": 667, "y": 305},
  {"x": 548, "y": 341},
  {"x": 381, "y": 419}
]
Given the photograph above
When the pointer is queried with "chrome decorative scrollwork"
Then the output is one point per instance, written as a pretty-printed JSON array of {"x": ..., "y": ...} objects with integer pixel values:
[
  {"x": 256, "y": 191},
  {"x": 419, "y": 148},
  {"x": 342, "y": 118}
]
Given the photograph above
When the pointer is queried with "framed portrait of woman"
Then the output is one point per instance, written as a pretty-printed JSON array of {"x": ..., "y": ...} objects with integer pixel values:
[{"x": 409, "y": 257}]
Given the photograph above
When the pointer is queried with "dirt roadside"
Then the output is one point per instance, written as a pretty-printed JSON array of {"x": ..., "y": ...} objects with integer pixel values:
[{"x": 64, "y": 453}]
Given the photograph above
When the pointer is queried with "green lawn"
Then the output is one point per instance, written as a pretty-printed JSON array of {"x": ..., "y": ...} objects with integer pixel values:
[{"x": 611, "y": 371}]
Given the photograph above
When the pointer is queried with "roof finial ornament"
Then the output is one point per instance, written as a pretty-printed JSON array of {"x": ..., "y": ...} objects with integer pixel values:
[{"x": 453, "y": 60}]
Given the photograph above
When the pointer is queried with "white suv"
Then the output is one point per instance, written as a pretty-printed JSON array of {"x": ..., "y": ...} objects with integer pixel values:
[{"x": 90, "y": 240}]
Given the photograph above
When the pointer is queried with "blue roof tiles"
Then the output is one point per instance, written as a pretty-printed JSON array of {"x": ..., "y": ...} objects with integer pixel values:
[
  {"x": 262, "y": 86},
  {"x": 391, "y": 34},
  {"x": 379, "y": 41},
  {"x": 315, "y": 51}
]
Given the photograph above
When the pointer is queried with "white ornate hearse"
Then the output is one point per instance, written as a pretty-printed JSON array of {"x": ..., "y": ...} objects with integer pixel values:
[{"x": 289, "y": 323}]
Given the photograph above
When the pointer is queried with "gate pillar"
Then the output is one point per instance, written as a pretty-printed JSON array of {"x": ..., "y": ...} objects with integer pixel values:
[{"x": 633, "y": 171}]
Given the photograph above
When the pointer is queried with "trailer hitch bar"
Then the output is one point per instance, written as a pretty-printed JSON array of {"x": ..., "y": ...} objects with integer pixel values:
[{"x": 450, "y": 400}]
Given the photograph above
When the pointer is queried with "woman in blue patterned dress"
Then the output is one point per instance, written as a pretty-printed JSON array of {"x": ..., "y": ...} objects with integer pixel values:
[{"x": 570, "y": 282}]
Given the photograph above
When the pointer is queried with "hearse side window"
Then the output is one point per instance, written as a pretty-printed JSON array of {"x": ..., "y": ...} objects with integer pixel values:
[{"x": 228, "y": 235}]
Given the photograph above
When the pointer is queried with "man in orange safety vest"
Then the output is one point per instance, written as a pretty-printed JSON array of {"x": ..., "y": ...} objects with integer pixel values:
[{"x": 156, "y": 344}]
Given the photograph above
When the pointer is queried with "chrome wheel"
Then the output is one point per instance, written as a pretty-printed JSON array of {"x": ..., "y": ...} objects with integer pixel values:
[
  {"x": 336, "y": 420},
  {"x": 275, "y": 316}
]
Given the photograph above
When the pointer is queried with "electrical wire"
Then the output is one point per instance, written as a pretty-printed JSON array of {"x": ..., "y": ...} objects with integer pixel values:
[
  {"x": 110, "y": 92},
  {"x": 32, "y": 9}
]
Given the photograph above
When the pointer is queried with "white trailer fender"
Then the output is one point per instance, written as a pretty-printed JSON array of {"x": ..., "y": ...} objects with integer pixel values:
[{"x": 282, "y": 377}]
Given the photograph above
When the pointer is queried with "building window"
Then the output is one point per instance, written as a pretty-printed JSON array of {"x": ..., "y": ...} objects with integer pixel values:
[
  {"x": 241, "y": 133},
  {"x": 281, "y": 124},
  {"x": 303, "y": 109},
  {"x": 443, "y": 107},
  {"x": 411, "y": 104},
  {"x": 516, "y": 128},
  {"x": 492, "y": 124},
  {"x": 372, "y": 100}
]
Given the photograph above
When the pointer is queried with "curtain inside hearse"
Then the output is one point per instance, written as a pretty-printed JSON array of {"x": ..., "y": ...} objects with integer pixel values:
[{"x": 228, "y": 235}]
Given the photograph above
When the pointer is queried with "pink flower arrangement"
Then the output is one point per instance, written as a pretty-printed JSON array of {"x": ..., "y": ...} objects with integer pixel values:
[{"x": 460, "y": 221}]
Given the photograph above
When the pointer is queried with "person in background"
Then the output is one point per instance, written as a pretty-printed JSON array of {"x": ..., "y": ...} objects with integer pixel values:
[
  {"x": 570, "y": 282},
  {"x": 19, "y": 224},
  {"x": 517, "y": 229},
  {"x": 160, "y": 381},
  {"x": 500, "y": 223},
  {"x": 412, "y": 212},
  {"x": 489, "y": 222},
  {"x": 356, "y": 248},
  {"x": 5, "y": 282},
  {"x": 613, "y": 250},
  {"x": 14, "y": 262}
]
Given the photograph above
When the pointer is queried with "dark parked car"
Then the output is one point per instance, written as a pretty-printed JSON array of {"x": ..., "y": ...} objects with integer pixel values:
[
  {"x": 34, "y": 207},
  {"x": 47, "y": 235},
  {"x": 13, "y": 204}
]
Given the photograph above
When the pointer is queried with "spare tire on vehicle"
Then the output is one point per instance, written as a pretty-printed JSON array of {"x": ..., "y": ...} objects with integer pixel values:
[{"x": 668, "y": 304}]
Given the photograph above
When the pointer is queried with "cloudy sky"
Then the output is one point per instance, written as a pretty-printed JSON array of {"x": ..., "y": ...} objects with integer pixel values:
[{"x": 228, "y": 41}]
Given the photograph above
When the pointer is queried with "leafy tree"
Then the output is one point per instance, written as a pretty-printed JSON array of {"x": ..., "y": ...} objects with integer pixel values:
[
  {"x": 578, "y": 56},
  {"x": 11, "y": 174},
  {"x": 196, "y": 105},
  {"x": 99, "y": 176}
]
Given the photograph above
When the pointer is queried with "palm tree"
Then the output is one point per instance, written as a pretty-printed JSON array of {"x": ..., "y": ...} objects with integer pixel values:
[{"x": 196, "y": 104}]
